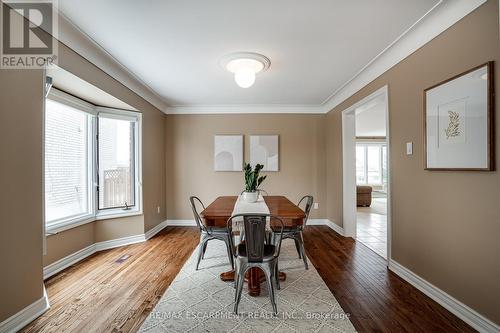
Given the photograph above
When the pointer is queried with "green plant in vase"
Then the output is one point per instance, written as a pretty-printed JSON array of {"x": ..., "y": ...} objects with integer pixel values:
[{"x": 252, "y": 182}]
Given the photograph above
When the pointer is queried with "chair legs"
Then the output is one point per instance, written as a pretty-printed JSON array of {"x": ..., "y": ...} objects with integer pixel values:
[
  {"x": 270, "y": 271},
  {"x": 240, "y": 281},
  {"x": 202, "y": 248},
  {"x": 299, "y": 244},
  {"x": 302, "y": 250}
]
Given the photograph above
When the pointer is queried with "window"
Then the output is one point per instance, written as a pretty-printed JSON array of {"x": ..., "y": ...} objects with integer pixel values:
[
  {"x": 67, "y": 175},
  {"x": 115, "y": 162},
  {"x": 92, "y": 164},
  {"x": 371, "y": 163}
]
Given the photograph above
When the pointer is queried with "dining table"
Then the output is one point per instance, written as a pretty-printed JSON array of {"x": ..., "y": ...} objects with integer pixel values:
[{"x": 220, "y": 210}]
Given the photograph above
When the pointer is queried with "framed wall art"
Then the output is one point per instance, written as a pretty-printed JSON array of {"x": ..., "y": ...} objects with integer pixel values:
[
  {"x": 458, "y": 116},
  {"x": 264, "y": 149},
  {"x": 228, "y": 152}
]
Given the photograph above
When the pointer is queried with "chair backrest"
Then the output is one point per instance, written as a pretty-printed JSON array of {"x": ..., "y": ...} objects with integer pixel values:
[
  {"x": 255, "y": 234},
  {"x": 306, "y": 202},
  {"x": 195, "y": 205}
]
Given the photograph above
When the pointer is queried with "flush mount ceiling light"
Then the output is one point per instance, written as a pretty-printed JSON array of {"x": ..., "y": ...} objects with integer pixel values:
[{"x": 244, "y": 66}]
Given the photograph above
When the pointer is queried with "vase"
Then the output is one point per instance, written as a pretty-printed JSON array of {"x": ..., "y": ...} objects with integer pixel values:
[{"x": 250, "y": 196}]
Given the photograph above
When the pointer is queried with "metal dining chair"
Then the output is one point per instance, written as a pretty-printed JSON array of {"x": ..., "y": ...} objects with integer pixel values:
[
  {"x": 254, "y": 252},
  {"x": 295, "y": 233},
  {"x": 209, "y": 233}
]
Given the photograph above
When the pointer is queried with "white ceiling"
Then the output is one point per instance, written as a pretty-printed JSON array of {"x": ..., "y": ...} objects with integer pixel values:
[
  {"x": 370, "y": 118},
  {"x": 315, "y": 47}
]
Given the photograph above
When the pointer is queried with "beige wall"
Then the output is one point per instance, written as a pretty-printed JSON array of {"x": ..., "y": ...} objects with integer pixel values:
[
  {"x": 190, "y": 168},
  {"x": 153, "y": 166},
  {"x": 21, "y": 97},
  {"x": 21, "y": 124},
  {"x": 70, "y": 241},
  {"x": 445, "y": 225}
]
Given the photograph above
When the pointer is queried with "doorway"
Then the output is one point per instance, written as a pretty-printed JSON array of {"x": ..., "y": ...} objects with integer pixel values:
[{"x": 366, "y": 172}]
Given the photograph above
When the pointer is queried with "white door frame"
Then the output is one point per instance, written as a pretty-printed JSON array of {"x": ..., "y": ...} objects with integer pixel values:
[{"x": 349, "y": 166}]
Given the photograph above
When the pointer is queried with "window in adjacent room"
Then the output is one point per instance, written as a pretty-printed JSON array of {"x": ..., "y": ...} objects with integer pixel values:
[{"x": 371, "y": 163}]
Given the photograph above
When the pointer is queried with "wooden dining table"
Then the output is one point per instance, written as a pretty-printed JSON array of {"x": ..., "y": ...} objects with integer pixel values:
[{"x": 218, "y": 212}]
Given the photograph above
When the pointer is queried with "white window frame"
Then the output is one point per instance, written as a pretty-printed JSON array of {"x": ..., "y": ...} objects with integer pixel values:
[
  {"x": 365, "y": 145},
  {"x": 95, "y": 213},
  {"x": 137, "y": 208}
]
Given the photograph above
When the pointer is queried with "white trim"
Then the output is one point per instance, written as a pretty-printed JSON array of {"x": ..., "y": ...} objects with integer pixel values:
[
  {"x": 245, "y": 109},
  {"x": 156, "y": 229},
  {"x": 85, "y": 46},
  {"x": 349, "y": 169},
  {"x": 111, "y": 244},
  {"x": 67, "y": 261},
  {"x": 334, "y": 226},
  {"x": 434, "y": 22},
  {"x": 79, "y": 255},
  {"x": 439, "y": 18},
  {"x": 17, "y": 321},
  {"x": 71, "y": 101},
  {"x": 181, "y": 223},
  {"x": 462, "y": 311}
]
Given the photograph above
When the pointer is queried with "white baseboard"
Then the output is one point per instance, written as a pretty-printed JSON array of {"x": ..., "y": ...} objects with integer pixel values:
[
  {"x": 153, "y": 231},
  {"x": 181, "y": 223},
  {"x": 79, "y": 255},
  {"x": 334, "y": 226},
  {"x": 462, "y": 311},
  {"x": 110, "y": 244},
  {"x": 17, "y": 321},
  {"x": 67, "y": 261}
]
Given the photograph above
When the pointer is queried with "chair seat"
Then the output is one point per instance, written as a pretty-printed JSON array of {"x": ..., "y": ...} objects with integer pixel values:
[
  {"x": 285, "y": 229},
  {"x": 269, "y": 250},
  {"x": 217, "y": 230}
]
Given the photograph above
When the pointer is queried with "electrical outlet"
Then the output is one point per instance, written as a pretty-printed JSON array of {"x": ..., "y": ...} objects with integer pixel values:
[
  {"x": 316, "y": 205},
  {"x": 158, "y": 209}
]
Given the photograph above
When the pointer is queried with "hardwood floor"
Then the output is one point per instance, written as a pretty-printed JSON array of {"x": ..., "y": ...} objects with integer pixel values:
[
  {"x": 101, "y": 295},
  {"x": 377, "y": 299}
]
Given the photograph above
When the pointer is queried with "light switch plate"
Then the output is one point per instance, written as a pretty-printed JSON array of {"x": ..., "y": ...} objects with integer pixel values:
[
  {"x": 316, "y": 205},
  {"x": 409, "y": 148}
]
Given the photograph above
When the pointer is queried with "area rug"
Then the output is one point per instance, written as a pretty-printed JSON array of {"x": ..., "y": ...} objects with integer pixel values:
[{"x": 198, "y": 301}]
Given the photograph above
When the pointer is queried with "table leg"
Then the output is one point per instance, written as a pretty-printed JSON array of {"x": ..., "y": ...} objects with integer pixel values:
[{"x": 254, "y": 277}]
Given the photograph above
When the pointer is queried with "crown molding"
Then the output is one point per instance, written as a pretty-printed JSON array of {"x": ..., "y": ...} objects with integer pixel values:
[
  {"x": 73, "y": 37},
  {"x": 84, "y": 45},
  {"x": 244, "y": 108},
  {"x": 438, "y": 19}
]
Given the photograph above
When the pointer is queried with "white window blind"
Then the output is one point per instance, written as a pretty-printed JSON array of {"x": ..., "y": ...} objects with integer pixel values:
[
  {"x": 92, "y": 162},
  {"x": 67, "y": 175}
]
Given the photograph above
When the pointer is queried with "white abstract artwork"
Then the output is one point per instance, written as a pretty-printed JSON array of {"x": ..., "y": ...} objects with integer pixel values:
[
  {"x": 228, "y": 153},
  {"x": 264, "y": 149}
]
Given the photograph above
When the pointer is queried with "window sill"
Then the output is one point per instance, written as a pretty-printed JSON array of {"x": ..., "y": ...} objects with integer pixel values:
[
  {"x": 117, "y": 213},
  {"x": 73, "y": 223}
]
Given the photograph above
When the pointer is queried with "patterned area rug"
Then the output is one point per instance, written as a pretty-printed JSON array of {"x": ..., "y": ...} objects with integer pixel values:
[{"x": 198, "y": 301}]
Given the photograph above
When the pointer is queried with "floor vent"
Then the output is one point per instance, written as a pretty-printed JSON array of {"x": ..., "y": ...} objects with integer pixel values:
[{"x": 122, "y": 258}]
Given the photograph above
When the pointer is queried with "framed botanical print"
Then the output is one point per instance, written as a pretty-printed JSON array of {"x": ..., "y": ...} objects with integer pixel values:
[{"x": 458, "y": 116}]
